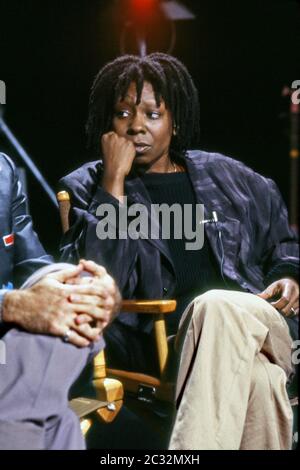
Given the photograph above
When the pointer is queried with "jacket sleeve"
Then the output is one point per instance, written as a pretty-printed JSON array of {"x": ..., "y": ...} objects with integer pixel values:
[
  {"x": 29, "y": 254},
  {"x": 86, "y": 237},
  {"x": 2, "y": 294},
  {"x": 282, "y": 251}
]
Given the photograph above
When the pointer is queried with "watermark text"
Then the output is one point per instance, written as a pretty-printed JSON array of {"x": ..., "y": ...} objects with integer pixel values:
[
  {"x": 162, "y": 221},
  {"x": 2, "y": 92},
  {"x": 296, "y": 94}
]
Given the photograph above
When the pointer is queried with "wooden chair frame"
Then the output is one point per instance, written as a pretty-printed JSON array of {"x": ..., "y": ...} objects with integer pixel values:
[{"x": 110, "y": 383}]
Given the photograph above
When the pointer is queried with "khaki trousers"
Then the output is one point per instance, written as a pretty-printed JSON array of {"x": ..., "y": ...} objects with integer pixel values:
[{"x": 235, "y": 358}]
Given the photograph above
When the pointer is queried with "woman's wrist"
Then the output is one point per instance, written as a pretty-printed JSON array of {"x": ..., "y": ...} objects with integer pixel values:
[
  {"x": 114, "y": 185},
  {"x": 116, "y": 175}
]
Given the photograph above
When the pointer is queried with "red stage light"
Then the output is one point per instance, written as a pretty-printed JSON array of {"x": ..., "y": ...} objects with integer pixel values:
[
  {"x": 143, "y": 3},
  {"x": 143, "y": 7}
]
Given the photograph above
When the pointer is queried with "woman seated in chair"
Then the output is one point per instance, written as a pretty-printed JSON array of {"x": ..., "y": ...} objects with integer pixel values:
[{"x": 235, "y": 282}]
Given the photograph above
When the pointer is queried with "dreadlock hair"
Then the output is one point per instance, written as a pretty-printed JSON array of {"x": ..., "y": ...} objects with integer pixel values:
[{"x": 171, "y": 82}]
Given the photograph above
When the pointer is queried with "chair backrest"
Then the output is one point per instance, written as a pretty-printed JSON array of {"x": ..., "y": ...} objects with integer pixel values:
[{"x": 64, "y": 203}]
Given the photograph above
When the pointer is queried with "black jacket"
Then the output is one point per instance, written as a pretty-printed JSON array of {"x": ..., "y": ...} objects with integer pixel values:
[{"x": 252, "y": 230}]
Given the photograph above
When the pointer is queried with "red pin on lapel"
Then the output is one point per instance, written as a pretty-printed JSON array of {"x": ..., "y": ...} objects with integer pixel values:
[{"x": 9, "y": 240}]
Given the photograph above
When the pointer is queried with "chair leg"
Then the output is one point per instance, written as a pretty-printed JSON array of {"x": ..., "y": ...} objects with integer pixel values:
[
  {"x": 112, "y": 392},
  {"x": 85, "y": 425},
  {"x": 109, "y": 413}
]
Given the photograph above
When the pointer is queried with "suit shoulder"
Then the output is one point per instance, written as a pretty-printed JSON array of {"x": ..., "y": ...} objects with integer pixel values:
[{"x": 6, "y": 165}]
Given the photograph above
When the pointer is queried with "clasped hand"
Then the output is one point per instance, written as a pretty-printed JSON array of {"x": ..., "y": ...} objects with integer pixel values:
[{"x": 64, "y": 301}]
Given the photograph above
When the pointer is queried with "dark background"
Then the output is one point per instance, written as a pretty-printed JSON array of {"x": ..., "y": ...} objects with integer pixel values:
[{"x": 240, "y": 54}]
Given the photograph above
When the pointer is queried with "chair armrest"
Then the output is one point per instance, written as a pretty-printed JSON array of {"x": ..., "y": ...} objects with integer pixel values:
[
  {"x": 149, "y": 306},
  {"x": 159, "y": 308}
]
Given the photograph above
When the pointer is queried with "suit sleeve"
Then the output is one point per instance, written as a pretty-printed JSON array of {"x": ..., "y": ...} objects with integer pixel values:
[
  {"x": 282, "y": 252},
  {"x": 2, "y": 294},
  {"x": 29, "y": 253}
]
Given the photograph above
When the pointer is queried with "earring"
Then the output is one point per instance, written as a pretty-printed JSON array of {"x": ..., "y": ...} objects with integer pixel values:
[{"x": 175, "y": 130}]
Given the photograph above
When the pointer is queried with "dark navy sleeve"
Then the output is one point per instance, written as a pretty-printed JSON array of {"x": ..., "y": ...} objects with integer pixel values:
[
  {"x": 27, "y": 253},
  {"x": 283, "y": 249}
]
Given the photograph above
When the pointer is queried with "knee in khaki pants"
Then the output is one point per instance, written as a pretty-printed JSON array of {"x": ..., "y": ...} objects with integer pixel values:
[{"x": 235, "y": 357}]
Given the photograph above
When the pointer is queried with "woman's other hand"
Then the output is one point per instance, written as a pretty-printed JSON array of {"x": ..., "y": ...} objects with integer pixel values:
[{"x": 286, "y": 292}]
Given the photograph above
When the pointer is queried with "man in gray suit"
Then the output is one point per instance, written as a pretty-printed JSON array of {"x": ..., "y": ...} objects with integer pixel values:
[{"x": 49, "y": 330}]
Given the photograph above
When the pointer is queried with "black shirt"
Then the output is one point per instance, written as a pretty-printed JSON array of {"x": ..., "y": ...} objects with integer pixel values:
[{"x": 196, "y": 270}]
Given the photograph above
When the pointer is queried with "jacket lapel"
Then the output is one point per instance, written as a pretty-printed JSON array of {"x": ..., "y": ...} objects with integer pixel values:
[{"x": 208, "y": 190}]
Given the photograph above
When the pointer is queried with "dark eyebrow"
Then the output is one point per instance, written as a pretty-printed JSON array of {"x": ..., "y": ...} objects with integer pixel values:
[{"x": 129, "y": 101}]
